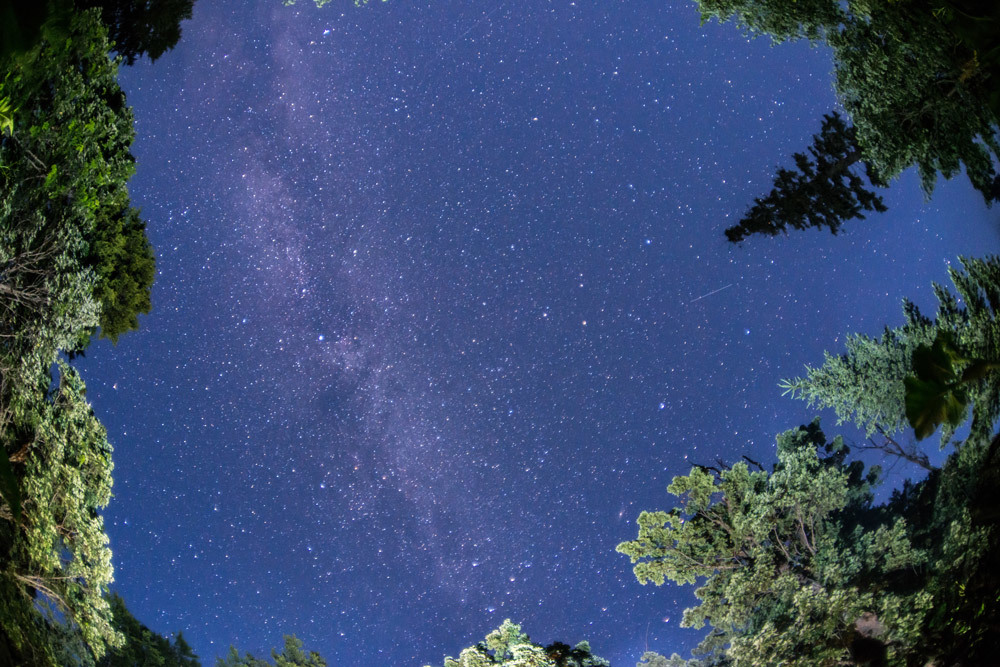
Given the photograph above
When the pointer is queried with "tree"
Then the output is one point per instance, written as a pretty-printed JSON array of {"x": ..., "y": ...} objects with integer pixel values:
[
  {"x": 653, "y": 659},
  {"x": 915, "y": 92},
  {"x": 142, "y": 27},
  {"x": 868, "y": 383},
  {"x": 785, "y": 557},
  {"x": 799, "y": 566},
  {"x": 142, "y": 646},
  {"x": 59, "y": 561},
  {"x": 65, "y": 217},
  {"x": 123, "y": 261},
  {"x": 293, "y": 655},
  {"x": 823, "y": 192},
  {"x": 507, "y": 646}
]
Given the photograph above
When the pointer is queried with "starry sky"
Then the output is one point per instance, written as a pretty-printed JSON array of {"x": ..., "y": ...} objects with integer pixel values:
[{"x": 443, "y": 302}]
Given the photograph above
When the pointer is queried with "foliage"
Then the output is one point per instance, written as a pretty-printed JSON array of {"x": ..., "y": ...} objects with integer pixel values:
[
  {"x": 24, "y": 24},
  {"x": 976, "y": 25},
  {"x": 937, "y": 393},
  {"x": 653, "y": 659},
  {"x": 142, "y": 646},
  {"x": 66, "y": 225},
  {"x": 293, "y": 655},
  {"x": 915, "y": 91},
  {"x": 822, "y": 192},
  {"x": 782, "y": 555},
  {"x": 507, "y": 646},
  {"x": 867, "y": 384},
  {"x": 59, "y": 556},
  {"x": 902, "y": 79},
  {"x": 70, "y": 244},
  {"x": 142, "y": 27},
  {"x": 123, "y": 261},
  {"x": 10, "y": 492},
  {"x": 799, "y": 567}
]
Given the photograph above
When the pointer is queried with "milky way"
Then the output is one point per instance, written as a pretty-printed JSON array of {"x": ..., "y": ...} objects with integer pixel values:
[{"x": 440, "y": 309}]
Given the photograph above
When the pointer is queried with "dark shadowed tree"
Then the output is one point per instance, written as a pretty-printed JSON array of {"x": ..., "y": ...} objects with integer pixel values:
[
  {"x": 142, "y": 646},
  {"x": 142, "y": 27},
  {"x": 292, "y": 655},
  {"x": 823, "y": 191},
  {"x": 916, "y": 93}
]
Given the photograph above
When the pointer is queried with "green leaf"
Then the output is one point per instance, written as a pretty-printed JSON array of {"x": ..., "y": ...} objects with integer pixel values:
[
  {"x": 937, "y": 362},
  {"x": 930, "y": 403},
  {"x": 6, "y": 116},
  {"x": 8, "y": 487},
  {"x": 50, "y": 179}
]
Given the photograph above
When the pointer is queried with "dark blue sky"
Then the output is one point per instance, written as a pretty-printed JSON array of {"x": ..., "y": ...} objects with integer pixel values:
[{"x": 444, "y": 301}]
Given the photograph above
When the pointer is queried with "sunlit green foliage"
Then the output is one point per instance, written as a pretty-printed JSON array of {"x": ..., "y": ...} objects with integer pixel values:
[
  {"x": 123, "y": 261},
  {"x": 66, "y": 224},
  {"x": 73, "y": 255},
  {"x": 799, "y": 567},
  {"x": 782, "y": 556},
  {"x": 653, "y": 659},
  {"x": 507, "y": 646},
  {"x": 59, "y": 558}
]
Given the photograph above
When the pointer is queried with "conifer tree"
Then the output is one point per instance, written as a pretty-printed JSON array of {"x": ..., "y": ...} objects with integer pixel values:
[
  {"x": 823, "y": 191},
  {"x": 867, "y": 385},
  {"x": 916, "y": 93}
]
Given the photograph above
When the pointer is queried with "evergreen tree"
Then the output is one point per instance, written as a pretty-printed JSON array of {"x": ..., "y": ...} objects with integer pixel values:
[
  {"x": 799, "y": 567},
  {"x": 142, "y": 27},
  {"x": 292, "y": 655},
  {"x": 822, "y": 192},
  {"x": 141, "y": 646},
  {"x": 784, "y": 556},
  {"x": 916, "y": 93},
  {"x": 868, "y": 383}
]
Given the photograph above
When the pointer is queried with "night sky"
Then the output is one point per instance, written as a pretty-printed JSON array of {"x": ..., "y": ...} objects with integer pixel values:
[{"x": 444, "y": 302}]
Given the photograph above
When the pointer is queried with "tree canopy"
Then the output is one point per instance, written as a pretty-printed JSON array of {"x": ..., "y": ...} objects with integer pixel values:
[
  {"x": 68, "y": 226},
  {"x": 73, "y": 256},
  {"x": 867, "y": 384},
  {"x": 59, "y": 562},
  {"x": 915, "y": 91},
  {"x": 292, "y": 655},
  {"x": 142, "y": 27},
  {"x": 507, "y": 646},
  {"x": 798, "y": 566}
]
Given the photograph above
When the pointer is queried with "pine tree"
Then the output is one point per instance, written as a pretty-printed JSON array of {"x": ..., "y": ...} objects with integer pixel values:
[
  {"x": 822, "y": 192},
  {"x": 915, "y": 91},
  {"x": 867, "y": 384}
]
